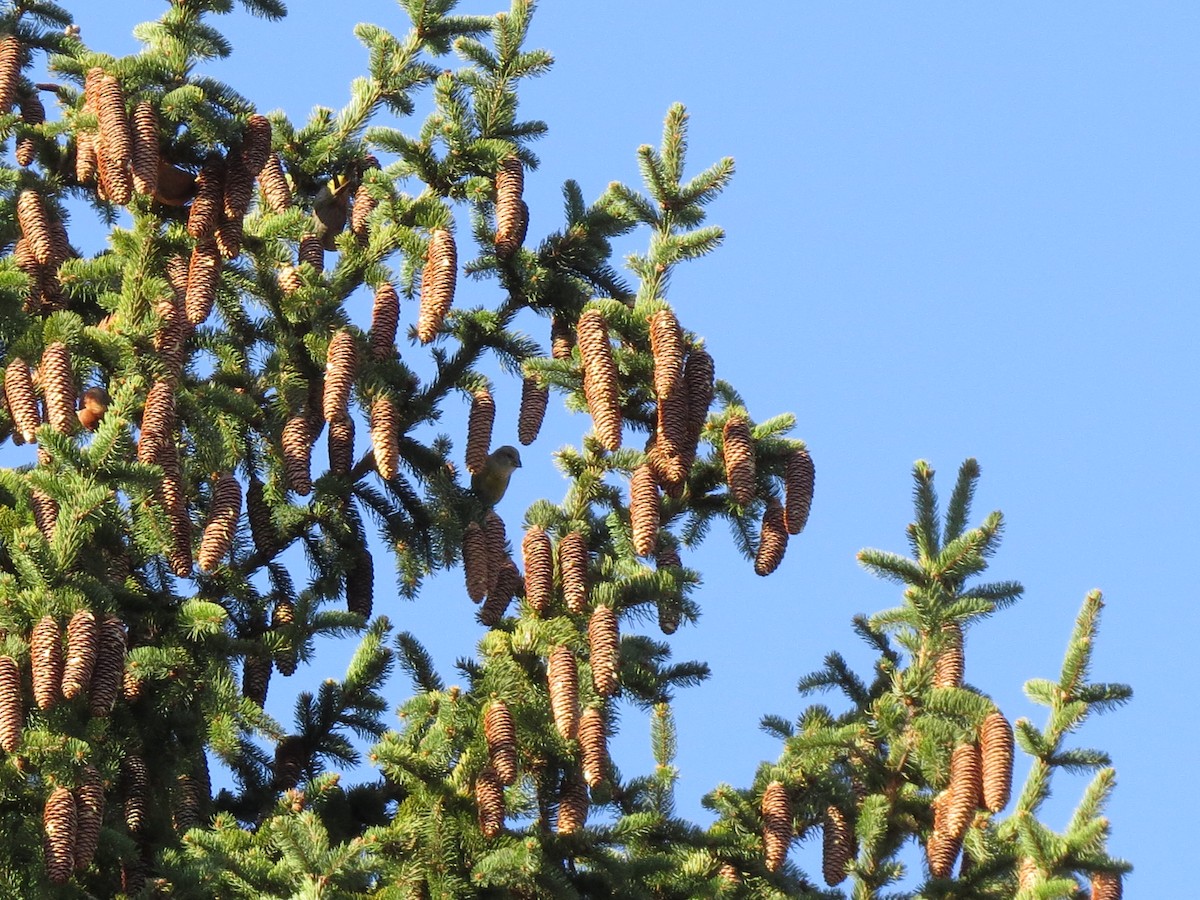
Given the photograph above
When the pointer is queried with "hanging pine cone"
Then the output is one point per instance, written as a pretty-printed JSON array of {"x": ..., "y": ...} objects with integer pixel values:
[
  {"x": 996, "y": 753},
  {"x": 297, "y": 442},
  {"x": 643, "y": 510},
  {"x": 170, "y": 340},
  {"x": 1106, "y": 886},
  {"x": 512, "y": 218},
  {"x": 22, "y": 402},
  {"x": 11, "y": 56},
  {"x": 204, "y": 274},
  {"x": 86, "y": 163},
  {"x": 59, "y": 822},
  {"x": 479, "y": 430},
  {"x": 497, "y": 546},
  {"x": 534, "y": 398},
  {"x": 12, "y": 712},
  {"x": 572, "y": 804},
  {"x": 385, "y": 436},
  {"x": 312, "y": 251},
  {"x": 83, "y": 638},
  {"x": 573, "y": 570},
  {"x": 489, "y": 802},
  {"x": 33, "y": 113},
  {"x": 671, "y": 472},
  {"x": 290, "y": 760},
  {"x": 228, "y": 238},
  {"x": 777, "y": 825},
  {"x": 89, "y": 809},
  {"x": 205, "y": 212},
  {"x": 34, "y": 223},
  {"x": 58, "y": 385},
  {"x": 772, "y": 541},
  {"x": 145, "y": 149},
  {"x": 172, "y": 496},
  {"x": 256, "y": 679},
  {"x": 135, "y": 787},
  {"x": 604, "y": 641},
  {"x": 563, "y": 681},
  {"x": 236, "y": 190},
  {"x": 45, "y": 512},
  {"x": 669, "y": 611},
  {"x": 133, "y": 876},
  {"x": 256, "y": 143},
  {"x": 562, "y": 338},
  {"x": 274, "y": 184},
  {"x": 186, "y": 808},
  {"x": 666, "y": 345},
  {"x": 739, "y": 461},
  {"x": 501, "y": 737},
  {"x": 115, "y": 142},
  {"x": 941, "y": 850},
  {"x": 46, "y": 656},
  {"x": 839, "y": 846},
  {"x": 475, "y": 561},
  {"x": 539, "y": 569},
  {"x": 798, "y": 478},
  {"x": 593, "y": 747},
  {"x": 671, "y": 424},
  {"x": 360, "y": 585},
  {"x": 221, "y": 528},
  {"x": 360, "y": 211},
  {"x": 262, "y": 523},
  {"x": 965, "y": 790},
  {"x": 341, "y": 366},
  {"x": 283, "y": 616},
  {"x": 508, "y": 584},
  {"x": 600, "y": 384},
  {"x": 158, "y": 421},
  {"x": 341, "y": 445},
  {"x": 109, "y": 672},
  {"x": 950, "y": 663},
  {"x": 385, "y": 316},
  {"x": 438, "y": 280}
]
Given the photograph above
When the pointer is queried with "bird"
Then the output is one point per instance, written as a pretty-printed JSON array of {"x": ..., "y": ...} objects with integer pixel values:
[{"x": 490, "y": 483}]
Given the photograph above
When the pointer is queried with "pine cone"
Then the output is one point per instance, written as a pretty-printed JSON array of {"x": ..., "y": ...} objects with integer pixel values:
[
  {"x": 563, "y": 680},
  {"x": 1106, "y": 886},
  {"x": 204, "y": 274},
  {"x": 109, "y": 672},
  {"x": 60, "y": 823},
  {"x": 666, "y": 344},
  {"x": 274, "y": 184},
  {"x": 534, "y": 398},
  {"x": 508, "y": 584},
  {"x": 385, "y": 436},
  {"x": 772, "y": 542},
  {"x": 341, "y": 445},
  {"x": 312, "y": 251},
  {"x": 58, "y": 385},
  {"x": 83, "y": 638},
  {"x": 116, "y": 142},
  {"x": 593, "y": 746},
  {"x": 11, "y": 57},
  {"x": 996, "y": 753},
  {"x": 539, "y": 569},
  {"x": 489, "y": 802},
  {"x": 777, "y": 825},
  {"x": 964, "y": 792},
  {"x": 475, "y": 561},
  {"x": 256, "y": 144},
  {"x": 22, "y": 402},
  {"x": 512, "y": 217},
  {"x": 297, "y": 441},
  {"x": 739, "y": 461},
  {"x": 562, "y": 339},
  {"x": 12, "y": 712},
  {"x": 479, "y": 430},
  {"x": 221, "y": 528},
  {"x": 798, "y": 477},
  {"x": 501, "y": 737},
  {"x": 228, "y": 238},
  {"x": 360, "y": 211},
  {"x": 341, "y": 366},
  {"x": 669, "y": 612},
  {"x": 604, "y": 641},
  {"x": 941, "y": 849},
  {"x": 644, "y": 509},
  {"x": 86, "y": 163},
  {"x": 950, "y": 663},
  {"x": 497, "y": 546},
  {"x": 34, "y": 223},
  {"x": 600, "y": 384},
  {"x": 283, "y": 616},
  {"x": 45, "y": 512},
  {"x": 671, "y": 426},
  {"x": 186, "y": 812},
  {"x": 133, "y": 876},
  {"x": 572, "y": 804},
  {"x": 437, "y": 283},
  {"x": 256, "y": 678},
  {"x": 172, "y": 496},
  {"x": 1027, "y": 874},
  {"x": 237, "y": 189},
  {"x": 573, "y": 570},
  {"x": 33, "y": 113},
  {"x": 145, "y": 149},
  {"x": 158, "y": 421},
  {"x": 135, "y": 783},
  {"x": 839, "y": 846},
  {"x": 360, "y": 584},
  {"x": 385, "y": 316},
  {"x": 205, "y": 212},
  {"x": 170, "y": 340},
  {"x": 290, "y": 760},
  {"x": 262, "y": 523},
  {"x": 46, "y": 656},
  {"x": 89, "y": 808}
]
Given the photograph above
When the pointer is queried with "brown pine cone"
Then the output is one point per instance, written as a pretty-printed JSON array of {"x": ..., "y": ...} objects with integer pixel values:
[
  {"x": 512, "y": 218},
  {"x": 135, "y": 785},
  {"x": 289, "y": 279},
  {"x": 644, "y": 509},
  {"x": 385, "y": 436},
  {"x": 170, "y": 340},
  {"x": 45, "y": 512},
  {"x": 256, "y": 144},
  {"x": 739, "y": 461},
  {"x": 59, "y": 821},
  {"x": 941, "y": 850},
  {"x": 58, "y": 386},
  {"x": 593, "y": 746},
  {"x": 312, "y": 251},
  {"x": 501, "y": 736},
  {"x": 669, "y": 613},
  {"x": 11, "y": 57},
  {"x": 186, "y": 811},
  {"x": 297, "y": 441},
  {"x": 109, "y": 673},
  {"x": 204, "y": 274},
  {"x": 283, "y": 616},
  {"x": 22, "y": 402},
  {"x": 950, "y": 663},
  {"x": 145, "y": 149},
  {"x": 666, "y": 345},
  {"x": 341, "y": 445},
  {"x": 600, "y": 384},
  {"x": 562, "y": 338},
  {"x": 172, "y": 496},
  {"x": 46, "y": 657},
  {"x": 508, "y": 583},
  {"x": 534, "y": 398},
  {"x": 221, "y": 528},
  {"x": 839, "y": 846},
  {"x": 89, "y": 808},
  {"x": 341, "y": 366},
  {"x": 83, "y": 638},
  {"x": 572, "y": 804},
  {"x": 479, "y": 430},
  {"x": 604, "y": 641},
  {"x": 133, "y": 875},
  {"x": 86, "y": 163},
  {"x": 360, "y": 212},
  {"x": 996, "y": 754},
  {"x": 33, "y": 113},
  {"x": 158, "y": 421},
  {"x": 777, "y": 825},
  {"x": 573, "y": 570},
  {"x": 964, "y": 792},
  {"x": 256, "y": 678},
  {"x": 228, "y": 238},
  {"x": 798, "y": 478},
  {"x": 12, "y": 711},
  {"x": 237, "y": 189},
  {"x": 205, "y": 212},
  {"x": 489, "y": 802},
  {"x": 671, "y": 426},
  {"x": 34, "y": 222},
  {"x": 772, "y": 541},
  {"x": 438, "y": 280},
  {"x": 475, "y": 561},
  {"x": 274, "y": 184},
  {"x": 290, "y": 760},
  {"x": 116, "y": 141},
  {"x": 385, "y": 316},
  {"x": 497, "y": 546},
  {"x": 262, "y": 524},
  {"x": 1106, "y": 886},
  {"x": 360, "y": 583},
  {"x": 539, "y": 569},
  {"x": 563, "y": 680}
]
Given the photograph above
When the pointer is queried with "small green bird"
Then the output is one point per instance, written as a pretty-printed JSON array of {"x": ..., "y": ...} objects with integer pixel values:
[{"x": 490, "y": 484}]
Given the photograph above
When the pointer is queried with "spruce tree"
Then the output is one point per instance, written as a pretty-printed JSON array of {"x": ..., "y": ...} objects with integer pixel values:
[{"x": 178, "y": 536}]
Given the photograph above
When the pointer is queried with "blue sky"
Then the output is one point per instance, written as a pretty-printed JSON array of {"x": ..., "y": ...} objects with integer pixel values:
[{"x": 955, "y": 230}]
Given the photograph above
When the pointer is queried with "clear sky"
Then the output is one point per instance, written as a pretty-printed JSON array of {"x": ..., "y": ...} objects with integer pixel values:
[{"x": 955, "y": 230}]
